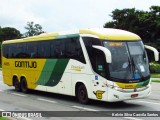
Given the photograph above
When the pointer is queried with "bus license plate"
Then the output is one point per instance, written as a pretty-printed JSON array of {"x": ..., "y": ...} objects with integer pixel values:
[{"x": 134, "y": 95}]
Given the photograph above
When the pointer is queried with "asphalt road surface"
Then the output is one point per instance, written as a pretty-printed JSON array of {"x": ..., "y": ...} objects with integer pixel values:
[{"x": 67, "y": 107}]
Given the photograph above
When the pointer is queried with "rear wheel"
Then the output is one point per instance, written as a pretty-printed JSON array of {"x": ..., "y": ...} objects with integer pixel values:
[
  {"x": 82, "y": 94},
  {"x": 24, "y": 86},
  {"x": 16, "y": 84}
]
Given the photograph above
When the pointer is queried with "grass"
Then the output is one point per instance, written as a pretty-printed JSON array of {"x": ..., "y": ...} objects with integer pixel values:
[
  {"x": 155, "y": 75},
  {"x": 157, "y": 81},
  {"x": 2, "y": 118}
]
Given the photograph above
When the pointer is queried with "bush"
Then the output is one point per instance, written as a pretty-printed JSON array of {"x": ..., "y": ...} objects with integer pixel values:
[{"x": 154, "y": 67}]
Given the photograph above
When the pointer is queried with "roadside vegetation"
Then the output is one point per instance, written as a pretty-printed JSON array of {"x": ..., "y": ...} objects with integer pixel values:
[
  {"x": 155, "y": 75},
  {"x": 2, "y": 118},
  {"x": 155, "y": 71},
  {"x": 155, "y": 68}
]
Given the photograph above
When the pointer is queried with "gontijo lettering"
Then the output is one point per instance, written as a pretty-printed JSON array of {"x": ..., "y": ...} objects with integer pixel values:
[{"x": 26, "y": 64}]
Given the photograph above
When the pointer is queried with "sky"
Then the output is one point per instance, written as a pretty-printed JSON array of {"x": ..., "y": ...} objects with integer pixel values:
[{"x": 63, "y": 15}]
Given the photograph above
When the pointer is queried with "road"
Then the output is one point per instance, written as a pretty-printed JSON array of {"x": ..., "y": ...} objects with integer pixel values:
[{"x": 11, "y": 100}]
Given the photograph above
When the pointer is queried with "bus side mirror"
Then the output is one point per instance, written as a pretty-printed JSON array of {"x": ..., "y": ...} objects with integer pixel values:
[
  {"x": 106, "y": 52},
  {"x": 156, "y": 53}
]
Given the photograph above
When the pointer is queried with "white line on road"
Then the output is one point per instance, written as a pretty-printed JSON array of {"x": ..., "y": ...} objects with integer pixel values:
[
  {"x": 24, "y": 118},
  {"x": 131, "y": 118},
  {"x": 3, "y": 85},
  {"x": 50, "y": 101},
  {"x": 18, "y": 94},
  {"x": 88, "y": 109},
  {"x": 149, "y": 102}
]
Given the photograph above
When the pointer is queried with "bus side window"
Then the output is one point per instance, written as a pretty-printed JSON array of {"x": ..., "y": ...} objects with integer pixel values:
[
  {"x": 31, "y": 49},
  {"x": 5, "y": 51},
  {"x": 99, "y": 62},
  {"x": 43, "y": 49},
  {"x": 74, "y": 50},
  {"x": 97, "y": 57},
  {"x": 20, "y": 50}
]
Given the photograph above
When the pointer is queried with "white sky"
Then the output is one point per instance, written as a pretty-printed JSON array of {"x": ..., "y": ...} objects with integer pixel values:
[{"x": 59, "y": 15}]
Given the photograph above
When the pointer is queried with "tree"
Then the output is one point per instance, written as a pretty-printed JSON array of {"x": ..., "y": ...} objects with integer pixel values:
[
  {"x": 33, "y": 29},
  {"x": 0, "y": 33},
  {"x": 145, "y": 24},
  {"x": 9, "y": 33}
]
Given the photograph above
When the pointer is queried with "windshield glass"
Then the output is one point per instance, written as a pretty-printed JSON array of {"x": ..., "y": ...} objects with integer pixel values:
[{"x": 129, "y": 61}]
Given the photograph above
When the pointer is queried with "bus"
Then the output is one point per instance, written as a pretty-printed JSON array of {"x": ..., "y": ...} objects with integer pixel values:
[{"x": 101, "y": 64}]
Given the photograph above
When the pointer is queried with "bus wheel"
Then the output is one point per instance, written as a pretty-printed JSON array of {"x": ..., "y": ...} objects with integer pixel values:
[
  {"x": 16, "y": 84},
  {"x": 24, "y": 86},
  {"x": 82, "y": 94}
]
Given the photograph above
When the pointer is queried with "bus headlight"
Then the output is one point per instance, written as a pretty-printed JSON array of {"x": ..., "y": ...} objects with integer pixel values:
[
  {"x": 118, "y": 88},
  {"x": 115, "y": 88}
]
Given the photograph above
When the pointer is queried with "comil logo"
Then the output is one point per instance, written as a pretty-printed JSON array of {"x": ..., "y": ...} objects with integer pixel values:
[{"x": 6, "y": 114}]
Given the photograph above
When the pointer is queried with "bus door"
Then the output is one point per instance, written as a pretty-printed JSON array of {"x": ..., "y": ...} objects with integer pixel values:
[{"x": 98, "y": 79}]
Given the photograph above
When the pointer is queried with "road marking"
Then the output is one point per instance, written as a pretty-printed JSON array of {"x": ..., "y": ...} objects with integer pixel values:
[
  {"x": 149, "y": 102},
  {"x": 88, "y": 109},
  {"x": 18, "y": 94},
  {"x": 23, "y": 118},
  {"x": 3, "y": 85},
  {"x": 50, "y": 101},
  {"x": 131, "y": 118},
  {"x": 1, "y": 90}
]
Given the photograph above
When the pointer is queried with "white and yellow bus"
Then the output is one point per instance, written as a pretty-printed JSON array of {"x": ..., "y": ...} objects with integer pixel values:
[{"x": 101, "y": 64}]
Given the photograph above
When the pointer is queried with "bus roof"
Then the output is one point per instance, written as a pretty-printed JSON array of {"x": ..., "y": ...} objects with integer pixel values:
[
  {"x": 101, "y": 33},
  {"x": 111, "y": 34}
]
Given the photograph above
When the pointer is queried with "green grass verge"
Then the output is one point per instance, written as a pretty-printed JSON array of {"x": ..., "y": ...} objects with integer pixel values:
[
  {"x": 157, "y": 81},
  {"x": 2, "y": 118},
  {"x": 155, "y": 75}
]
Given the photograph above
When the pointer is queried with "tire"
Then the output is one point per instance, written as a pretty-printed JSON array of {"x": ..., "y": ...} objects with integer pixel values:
[
  {"x": 82, "y": 94},
  {"x": 16, "y": 84},
  {"x": 24, "y": 86}
]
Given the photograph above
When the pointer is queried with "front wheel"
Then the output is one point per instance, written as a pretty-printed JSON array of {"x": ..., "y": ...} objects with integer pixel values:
[
  {"x": 82, "y": 94},
  {"x": 24, "y": 86}
]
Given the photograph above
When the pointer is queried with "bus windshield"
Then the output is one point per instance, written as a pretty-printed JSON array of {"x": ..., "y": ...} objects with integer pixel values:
[{"x": 129, "y": 61}]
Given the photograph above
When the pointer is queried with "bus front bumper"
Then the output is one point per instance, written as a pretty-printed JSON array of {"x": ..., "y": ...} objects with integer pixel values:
[{"x": 128, "y": 94}]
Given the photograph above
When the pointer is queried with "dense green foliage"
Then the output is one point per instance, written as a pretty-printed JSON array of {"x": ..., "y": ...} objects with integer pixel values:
[
  {"x": 8, "y": 33},
  {"x": 154, "y": 67},
  {"x": 144, "y": 23}
]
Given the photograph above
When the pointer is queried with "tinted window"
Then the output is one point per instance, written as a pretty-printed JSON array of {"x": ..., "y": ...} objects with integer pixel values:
[
  {"x": 67, "y": 48},
  {"x": 20, "y": 51},
  {"x": 43, "y": 49},
  {"x": 31, "y": 49},
  {"x": 97, "y": 57},
  {"x": 5, "y": 49},
  {"x": 56, "y": 49},
  {"x": 74, "y": 50}
]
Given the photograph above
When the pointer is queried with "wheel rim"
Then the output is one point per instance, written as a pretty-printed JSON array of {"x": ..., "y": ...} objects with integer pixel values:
[
  {"x": 82, "y": 94},
  {"x": 24, "y": 85},
  {"x": 16, "y": 85}
]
